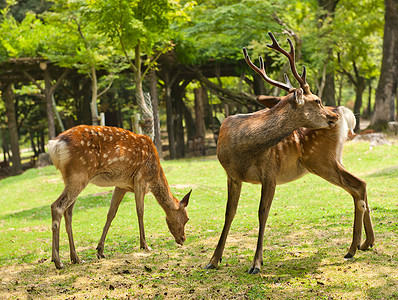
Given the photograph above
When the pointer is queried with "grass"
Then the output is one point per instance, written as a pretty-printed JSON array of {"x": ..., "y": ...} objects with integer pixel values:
[{"x": 308, "y": 232}]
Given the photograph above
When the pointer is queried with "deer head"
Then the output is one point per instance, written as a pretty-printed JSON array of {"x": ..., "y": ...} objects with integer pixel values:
[
  {"x": 308, "y": 105},
  {"x": 177, "y": 219}
]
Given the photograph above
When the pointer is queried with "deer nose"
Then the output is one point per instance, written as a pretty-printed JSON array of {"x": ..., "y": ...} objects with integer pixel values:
[
  {"x": 181, "y": 240},
  {"x": 332, "y": 119}
]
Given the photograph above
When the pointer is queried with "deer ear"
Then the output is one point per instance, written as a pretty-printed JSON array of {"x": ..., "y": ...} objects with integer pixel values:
[
  {"x": 185, "y": 200},
  {"x": 268, "y": 101},
  {"x": 298, "y": 96}
]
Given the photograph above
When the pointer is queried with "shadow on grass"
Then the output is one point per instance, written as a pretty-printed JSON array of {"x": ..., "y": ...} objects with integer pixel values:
[
  {"x": 82, "y": 204},
  {"x": 391, "y": 172}
]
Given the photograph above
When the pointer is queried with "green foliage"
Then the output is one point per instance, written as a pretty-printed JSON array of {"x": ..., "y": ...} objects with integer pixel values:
[
  {"x": 129, "y": 23},
  {"x": 86, "y": 47},
  {"x": 220, "y": 29},
  {"x": 358, "y": 30},
  {"x": 20, "y": 39}
]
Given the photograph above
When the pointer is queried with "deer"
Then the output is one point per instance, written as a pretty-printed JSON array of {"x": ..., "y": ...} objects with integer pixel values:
[
  {"x": 111, "y": 157},
  {"x": 320, "y": 151},
  {"x": 246, "y": 142}
]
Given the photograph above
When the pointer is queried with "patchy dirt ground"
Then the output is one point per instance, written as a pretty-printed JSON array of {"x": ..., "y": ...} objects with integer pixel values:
[{"x": 288, "y": 273}]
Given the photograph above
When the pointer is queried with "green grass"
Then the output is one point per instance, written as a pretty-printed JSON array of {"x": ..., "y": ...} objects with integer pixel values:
[{"x": 308, "y": 232}]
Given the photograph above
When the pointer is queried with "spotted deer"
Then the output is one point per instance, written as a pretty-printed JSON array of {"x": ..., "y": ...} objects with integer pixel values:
[
  {"x": 110, "y": 156},
  {"x": 246, "y": 145}
]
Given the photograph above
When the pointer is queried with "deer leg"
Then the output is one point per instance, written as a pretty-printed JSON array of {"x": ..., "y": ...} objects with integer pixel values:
[
  {"x": 56, "y": 215},
  {"x": 370, "y": 236},
  {"x": 139, "y": 192},
  {"x": 356, "y": 187},
  {"x": 68, "y": 225},
  {"x": 234, "y": 188},
  {"x": 58, "y": 208},
  {"x": 267, "y": 195},
  {"x": 117, "y": 197}
]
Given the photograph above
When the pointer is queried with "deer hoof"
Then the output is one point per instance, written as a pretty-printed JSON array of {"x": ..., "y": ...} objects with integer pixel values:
[
  {"x": 253, "y": 271},
  {"x": 365, "y": 246},
  {"x": 75, "y": 260},
  {"x": 210, "y": 267},
  {"x": 100, "y": 255},
  {"x": 146, "y": 248},
  {"x": 348, "y": 256},
  {"x": 58, "y": 264}
]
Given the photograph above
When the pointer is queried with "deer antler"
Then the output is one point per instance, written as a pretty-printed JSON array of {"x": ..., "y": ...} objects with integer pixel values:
[
  {"x": 261, "y": 71},
  {"x": 291, "y": 56}
]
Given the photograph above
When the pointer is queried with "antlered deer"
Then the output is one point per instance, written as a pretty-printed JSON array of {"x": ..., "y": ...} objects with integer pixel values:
[
  {"x": 110, "y": 156},
  {"x": 245, "y": 144}
]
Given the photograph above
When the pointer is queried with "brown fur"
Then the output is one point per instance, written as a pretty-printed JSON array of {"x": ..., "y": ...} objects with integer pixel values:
[
  {"x": 110, "y": 156},
  {"x": 318, "y": 151}
]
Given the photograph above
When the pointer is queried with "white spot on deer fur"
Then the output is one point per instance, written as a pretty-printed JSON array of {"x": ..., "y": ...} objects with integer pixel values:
[
  {"x": 316, "y": 143},
  {"x": 86, "y": 129},
  {"x": 82, "y": 142},
  {"x": 104, "y": 137},
  {"x": 92, "y": 131},
  {"x": 112, "y": 160},
  {"x": 362, "y": 205},
  {"x": 306, "y": 138},
  {"x": 88, "y": 143},
  {"x": 311, "y": 151},
  {"x": 105, "y": 155}
]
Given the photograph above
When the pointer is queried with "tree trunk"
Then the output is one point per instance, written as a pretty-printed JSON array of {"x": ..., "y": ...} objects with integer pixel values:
[
  {"x": 170, "y": 119},
  {"x": 32, "y": 143},
  {"x": 93, "y": 103},
  {"x": 190, "y": 125},
  {"x": 8, "y": 96},
  {"x": 177, "y": 102},
  {"x": 329, "y": 94},
  {"x": 155, "y": 107},
  {"x": 369, "y": 99},
  {"x": 199, "y": 111},
  {"x": 145, "y": 110},
  {"x": 388, "y": 81},
  {"x": 359, "y": 89},
  {"x": 258, "y": 85},
  {"x": 49, "y": 105},
  {"x": 4, "y": 144}
]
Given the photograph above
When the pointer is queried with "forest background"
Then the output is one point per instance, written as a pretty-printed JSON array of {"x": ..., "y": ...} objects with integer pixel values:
[{"x": 179, "y": 64}]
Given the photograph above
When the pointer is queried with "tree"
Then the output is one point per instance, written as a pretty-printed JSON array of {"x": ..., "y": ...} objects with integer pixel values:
[
  {"x": 87, "y": 51},
  {"x": 8, "y": 97},
  {"x": 388, "y": 81},
  {"x": 139, "y": 27},
  {"x": 358, "y": 46}
]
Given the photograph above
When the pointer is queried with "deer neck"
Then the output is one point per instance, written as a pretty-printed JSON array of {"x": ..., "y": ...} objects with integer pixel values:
[
  {"x": 262, "y": 130},
  {"x": 161, "y": 190}
]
